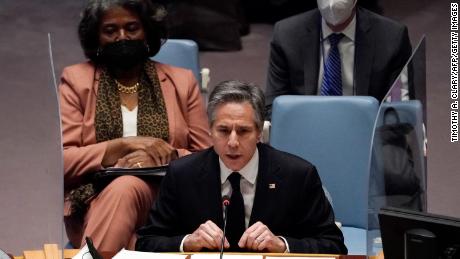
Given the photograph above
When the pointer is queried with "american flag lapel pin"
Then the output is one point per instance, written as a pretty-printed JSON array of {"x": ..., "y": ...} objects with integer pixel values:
[{"x": 271, "y": 186}]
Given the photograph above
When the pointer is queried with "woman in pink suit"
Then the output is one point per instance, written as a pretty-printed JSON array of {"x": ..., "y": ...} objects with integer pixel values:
[{"x": 120, "y": 109}]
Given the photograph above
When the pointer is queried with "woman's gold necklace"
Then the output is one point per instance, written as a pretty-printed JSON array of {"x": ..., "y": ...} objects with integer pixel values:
[{"x": 127, "y": 89}]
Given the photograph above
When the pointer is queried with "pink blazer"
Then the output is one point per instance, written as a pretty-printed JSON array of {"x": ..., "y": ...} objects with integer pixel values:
[{"x": 188, "y": 125}]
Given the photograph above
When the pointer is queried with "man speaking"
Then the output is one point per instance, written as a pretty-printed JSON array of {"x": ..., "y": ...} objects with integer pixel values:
[{"x": 277, "y": 203}]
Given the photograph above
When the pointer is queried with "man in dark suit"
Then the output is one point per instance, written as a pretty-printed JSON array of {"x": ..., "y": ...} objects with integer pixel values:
[
  {"x": 277, "y": 202},
  {"x": 373, "y": 50}
]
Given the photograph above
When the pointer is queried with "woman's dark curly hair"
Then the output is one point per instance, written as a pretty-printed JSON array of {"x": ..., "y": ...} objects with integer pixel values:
[{"x": 151, "y": 15}]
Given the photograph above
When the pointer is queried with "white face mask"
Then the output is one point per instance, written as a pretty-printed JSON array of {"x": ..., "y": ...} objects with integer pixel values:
[{"x": 336, "y": 12}]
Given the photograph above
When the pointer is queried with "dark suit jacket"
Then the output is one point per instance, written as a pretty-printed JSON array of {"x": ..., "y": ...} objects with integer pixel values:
[
  {"x": 296, "y": 208},
  {"x": 382, "y": 47}
]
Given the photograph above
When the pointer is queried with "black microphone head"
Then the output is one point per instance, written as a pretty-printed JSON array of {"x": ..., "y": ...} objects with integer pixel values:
[{"x": 226, "y": 200}]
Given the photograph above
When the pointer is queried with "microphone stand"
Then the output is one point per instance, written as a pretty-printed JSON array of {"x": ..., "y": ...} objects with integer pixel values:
[
  {"x": 225, "y": 203},
  {"x": 92, "y": 250}
]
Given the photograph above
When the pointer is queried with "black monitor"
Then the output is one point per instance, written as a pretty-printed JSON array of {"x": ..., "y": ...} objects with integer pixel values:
[{"x": 418, "y": 235}]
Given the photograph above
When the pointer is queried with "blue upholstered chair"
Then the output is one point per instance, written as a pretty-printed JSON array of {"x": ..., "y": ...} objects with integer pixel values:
[
  {"x": 334, "y": 133},
  {"x": 183, "y": 53}
]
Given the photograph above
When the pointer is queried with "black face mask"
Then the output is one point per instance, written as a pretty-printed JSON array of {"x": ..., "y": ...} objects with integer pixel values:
[{"x": 124, "y": 54}]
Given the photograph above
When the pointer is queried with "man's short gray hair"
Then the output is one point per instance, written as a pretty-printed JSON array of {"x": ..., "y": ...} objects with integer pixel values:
[{"x": 234, "y": 91}]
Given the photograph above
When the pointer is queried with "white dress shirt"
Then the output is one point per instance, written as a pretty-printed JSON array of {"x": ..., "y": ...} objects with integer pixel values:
[{"x": 346, "y": 48}]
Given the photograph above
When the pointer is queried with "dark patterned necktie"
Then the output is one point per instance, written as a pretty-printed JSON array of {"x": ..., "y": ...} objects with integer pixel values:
[
  {"x": 332, "y": 79},
  {"x": 235, "y": 217}
]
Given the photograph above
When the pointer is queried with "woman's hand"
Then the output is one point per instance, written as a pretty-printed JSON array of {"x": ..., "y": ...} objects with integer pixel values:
[
  {"x": 160, "y": 152},
  {"x": 136, "y": 159}
]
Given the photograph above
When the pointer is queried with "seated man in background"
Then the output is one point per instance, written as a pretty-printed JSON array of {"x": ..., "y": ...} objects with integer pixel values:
[
  {"x": 277, "y": 202},
  {"x": 337, "y": 49}
]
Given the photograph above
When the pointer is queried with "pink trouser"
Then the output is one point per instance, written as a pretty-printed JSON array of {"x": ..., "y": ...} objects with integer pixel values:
[{"x": 114, "y": 215}]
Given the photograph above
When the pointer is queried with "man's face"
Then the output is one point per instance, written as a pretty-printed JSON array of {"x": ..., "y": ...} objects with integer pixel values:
[
  {"x": 234, "y": 134},
  {"x": 337, "y": 12}
]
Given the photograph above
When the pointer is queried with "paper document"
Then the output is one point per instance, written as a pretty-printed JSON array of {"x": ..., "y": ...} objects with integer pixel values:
[
  {"x": 128, "y": 254},
  {"x": 226, "y": 256},
  {"x": 303, "y": 257}
]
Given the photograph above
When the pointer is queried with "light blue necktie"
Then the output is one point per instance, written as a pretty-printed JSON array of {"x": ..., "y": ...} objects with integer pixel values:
[{"x": 332, "y": 79}]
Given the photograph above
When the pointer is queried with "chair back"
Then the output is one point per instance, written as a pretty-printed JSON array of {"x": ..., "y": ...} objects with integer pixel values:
[
  {"x": 411, "y": 112},
  {"x": 180, "y": 53},
  {"x": 334, "y": 133}
]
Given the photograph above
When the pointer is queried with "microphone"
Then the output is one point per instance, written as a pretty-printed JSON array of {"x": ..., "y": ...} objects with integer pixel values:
[
  {"x": 225, "y": 204},
  {"x": 92, "y": 250}
]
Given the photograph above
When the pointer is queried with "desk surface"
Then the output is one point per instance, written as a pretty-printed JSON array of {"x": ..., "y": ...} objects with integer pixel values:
[
  {"x": 51, "y": 252},
  {"x": 108, "y": 255}
]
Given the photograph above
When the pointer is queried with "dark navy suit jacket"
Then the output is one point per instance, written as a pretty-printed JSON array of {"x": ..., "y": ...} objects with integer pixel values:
[{"x": 296, "y": 208}]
